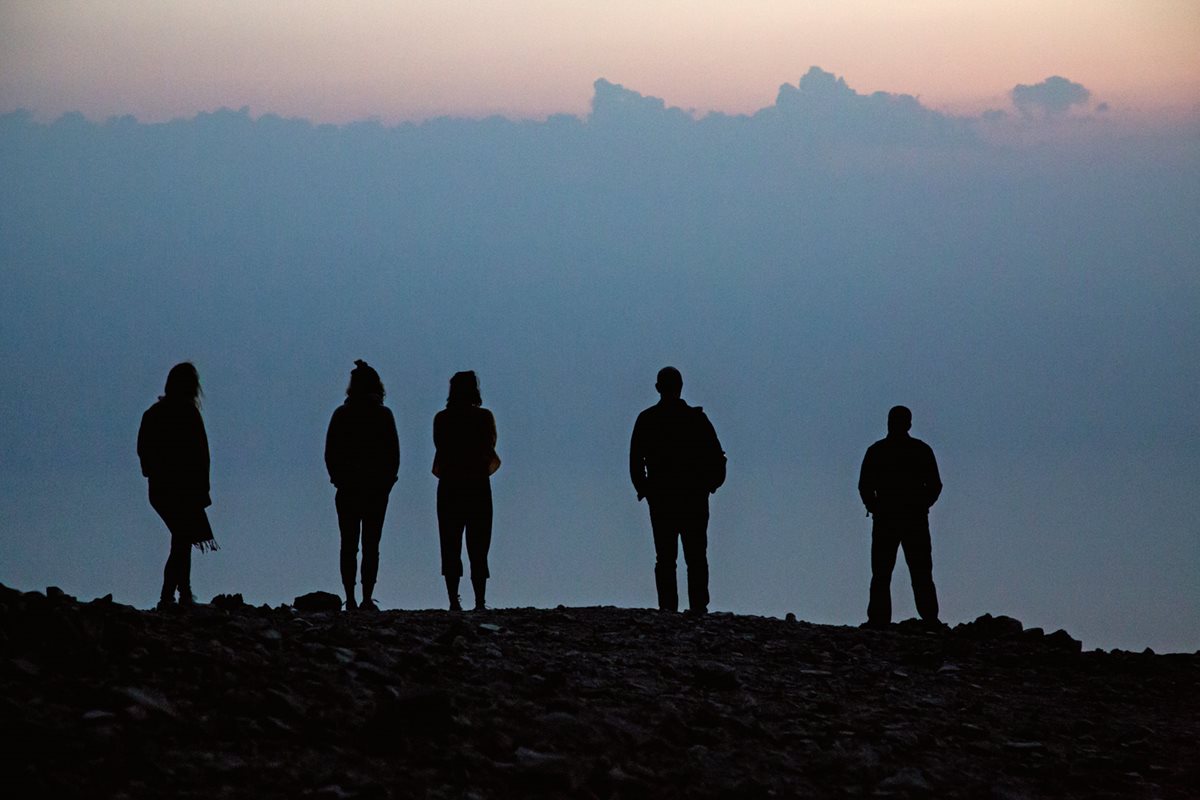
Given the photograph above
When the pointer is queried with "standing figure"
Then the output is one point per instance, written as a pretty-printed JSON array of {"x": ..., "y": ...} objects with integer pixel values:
[
  {"x": 676, "y": 462},
  {"x": 362, "y": 454},
  {"x": 464, "y": 435},
  {"x": 898, "y": 483},
  {"x": 173, "y": 449}
]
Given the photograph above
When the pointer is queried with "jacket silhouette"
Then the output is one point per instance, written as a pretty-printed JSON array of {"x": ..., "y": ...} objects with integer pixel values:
[
  {"x": 675, "y": 448},
  {"x": 362, "y": 449},
  {"x": 173, "y": 449}
]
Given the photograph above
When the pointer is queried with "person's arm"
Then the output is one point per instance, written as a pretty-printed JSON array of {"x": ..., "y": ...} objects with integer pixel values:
[
  {"x": 144, "y": 445},
  {"x": 933, "y": 481},
  {"x": 714, "y": 454},
  {"x": 866, "y": 483},
  {"x": 438, "y": 438},
  {"x": 637, "y": 458},
  {"x": 204, "y": 466},
  {"x": 333, "y": 456},
  {"x": 391, "y": 448}
]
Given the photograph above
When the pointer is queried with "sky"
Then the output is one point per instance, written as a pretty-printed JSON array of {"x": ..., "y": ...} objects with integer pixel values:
[
  {"x": 1015, "y": 259},
  {"x": 409, "y": 60}
]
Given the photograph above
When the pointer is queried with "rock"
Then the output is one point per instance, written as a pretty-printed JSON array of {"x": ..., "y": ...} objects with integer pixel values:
[
  {"x": 229, "y": 602},
  {"x": 414, "y": 712},
  {"x": 1061, "y": 640},
  {"x": 149, "y": 700},
  {"x": 713, "y": 675},
  {"x": 905, "y": 780},
  {"x": 989, "y": 627},
  {"x": 1024, "y": 745},
  {"x": 317, "y": 602},
  {"x": 545, "y": 771}
]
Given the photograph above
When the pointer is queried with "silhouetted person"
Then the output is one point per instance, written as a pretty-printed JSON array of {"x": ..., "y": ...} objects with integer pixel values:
[
  {"x": 464, "y": 434},
  {"x": 362, "y": 454},
  {"x": 898, "y": 483},
  {"x": 173, "y": 449},
  {"x": 675, "y": 462}
]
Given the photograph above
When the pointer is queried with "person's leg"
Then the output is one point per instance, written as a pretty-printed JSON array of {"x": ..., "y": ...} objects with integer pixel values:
[
  {"x": 349, "y": 522},
  {"x": 884, "y": 543},
  {"x": 918, "y": 554},
  {"x": 177, "y": 570},
  {"x": 374, "y": 511},
  {"x": 181, "y": 551},
  {"x": 664, "y": 524},
  {"x": 479, "y": 539},
  {"x": 694, "y": 535},
  {"x": 450, "y": 534}
]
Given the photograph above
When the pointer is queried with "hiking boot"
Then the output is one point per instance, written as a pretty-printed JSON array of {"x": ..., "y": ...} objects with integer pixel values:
[
  {"x": 368, "y": 605},
  {"x": 186, "y": 598},
  {"x": 456, "y": 603},
  {"x": 165, "y": 604},
  {"x": 351, "y": 605}
]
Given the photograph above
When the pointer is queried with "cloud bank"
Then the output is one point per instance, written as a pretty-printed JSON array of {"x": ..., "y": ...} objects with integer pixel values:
[{"x": 806, "y": 267}]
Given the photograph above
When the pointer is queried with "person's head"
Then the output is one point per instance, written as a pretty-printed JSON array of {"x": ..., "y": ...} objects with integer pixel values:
[
  {"x": 364, "y": 380},
  {"x": 183, "y": 383},
  {"x": 899, "y": 420},
  {"x": 669, "y": 383},
  {"x": 464, "y": 390}
]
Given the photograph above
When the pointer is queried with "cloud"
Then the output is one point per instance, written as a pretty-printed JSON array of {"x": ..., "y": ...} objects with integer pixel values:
[
  {"x": 613, "y": 104},
  {"x": 823, "y": 107},
  {"x": 1055, "y": 95}
]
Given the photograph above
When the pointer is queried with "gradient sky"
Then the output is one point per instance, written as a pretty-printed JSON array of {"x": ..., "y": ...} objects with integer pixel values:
[
  {"x": 405, "y": 60},
  {"x": 1027, "y": 282}
]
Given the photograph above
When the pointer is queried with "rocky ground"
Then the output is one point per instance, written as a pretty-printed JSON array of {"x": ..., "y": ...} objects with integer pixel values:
[{"x": 103, "y": 700}]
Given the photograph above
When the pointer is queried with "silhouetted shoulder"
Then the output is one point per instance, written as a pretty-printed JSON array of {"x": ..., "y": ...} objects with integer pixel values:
[{"x": 922, "y": 446}]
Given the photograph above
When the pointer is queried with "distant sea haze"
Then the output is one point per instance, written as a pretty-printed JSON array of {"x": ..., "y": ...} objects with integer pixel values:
[{"x": 1026, "y": 283}]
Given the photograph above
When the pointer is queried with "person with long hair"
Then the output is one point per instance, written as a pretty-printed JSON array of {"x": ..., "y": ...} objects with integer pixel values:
[
  {"x": 362, "y": 454},
  {"x": 173, "y": 449},
  {"x": 464, "y": 435}
]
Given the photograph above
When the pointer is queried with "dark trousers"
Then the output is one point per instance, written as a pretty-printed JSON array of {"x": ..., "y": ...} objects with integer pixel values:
[
  {"x": 911, "y": 533},
  {"x": 675, "y": 518},
  {"x": 187, "y": 526},
  {"x": 360, "y": 512},
  {"x": 465, "y": 506}
]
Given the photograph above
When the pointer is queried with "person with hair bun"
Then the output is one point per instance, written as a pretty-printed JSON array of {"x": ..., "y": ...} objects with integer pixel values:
[
  {"x": 362, "y": 454},
  {"x": 464, "y": 435},
  {"x": 173, "y": 449}
]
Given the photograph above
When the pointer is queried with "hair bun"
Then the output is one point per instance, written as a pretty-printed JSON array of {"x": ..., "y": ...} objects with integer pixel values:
[{"x": 358, "y": 362}]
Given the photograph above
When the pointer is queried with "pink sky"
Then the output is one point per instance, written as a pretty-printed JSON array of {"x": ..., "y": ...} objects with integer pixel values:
[{"x": 402, "y": 59}]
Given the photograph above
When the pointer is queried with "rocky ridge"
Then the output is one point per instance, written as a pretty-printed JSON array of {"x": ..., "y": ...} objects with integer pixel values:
[{"x": 226, "y": 700}]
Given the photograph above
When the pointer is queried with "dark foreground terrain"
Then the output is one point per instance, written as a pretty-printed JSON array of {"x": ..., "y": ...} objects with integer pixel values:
[{"x": 103, "y": 700}]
